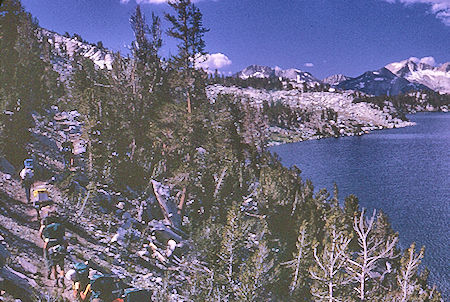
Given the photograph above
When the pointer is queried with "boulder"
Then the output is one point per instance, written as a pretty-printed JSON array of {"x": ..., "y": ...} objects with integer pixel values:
[
  {"x": 19, "y": 285},
  {"x": 165, "y": 232},
  {"x": 4, "y": 255},
  {"x": 104, "y": 200},
  {"x": 28, "y": 266},
  {"x": 6, "y": 167}
]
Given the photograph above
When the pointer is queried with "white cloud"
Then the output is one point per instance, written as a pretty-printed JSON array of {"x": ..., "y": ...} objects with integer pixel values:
[
  {"x": 414, "y": 59},
  {"x": 441, "y": 8},
  {"x": 428, "y": 60},
  {"x": 309, "y": 64},
  {"x": 211, "y": 62}
]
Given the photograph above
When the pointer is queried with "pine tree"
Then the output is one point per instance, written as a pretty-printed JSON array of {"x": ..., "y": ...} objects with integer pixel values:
[
  {"x": 145, "y": 50},
  {"x": 371, "y": 251},
  {"x": 407, "y": 276},
  {"x": 149, "y": 91},
  {"x": 233, "y": 242},
  {"x": 27, "y": 83},
  {"x": 187, "y": 28},
  {"x": 300, "y": 263},
  {"x": 329, "y": 273},
  {"x": 257, "y": 273}
]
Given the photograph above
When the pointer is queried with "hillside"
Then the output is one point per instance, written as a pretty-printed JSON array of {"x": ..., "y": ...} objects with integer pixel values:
[
  {"x": 64, "y": 48},
  {"x": 102, "y": 242},
  {"x": 172, "y": 189},
  {"x": 317, "y": 114}
]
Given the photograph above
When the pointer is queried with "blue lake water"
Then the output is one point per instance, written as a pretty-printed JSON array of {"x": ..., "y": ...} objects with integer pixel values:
[{"x": 405, "y": 172}]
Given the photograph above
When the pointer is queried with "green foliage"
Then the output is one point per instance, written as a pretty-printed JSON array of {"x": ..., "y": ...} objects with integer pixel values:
[
  {"x": 271, "y": 83},
  {"x": 328, "y": 273},
  {"x": 300, "y": 263},
  {"x": 186, "y": 26},
  {"x": 404, "y": 103},
  {"x": 259, "y": 231},
  {"x": 27, "y": 81}
]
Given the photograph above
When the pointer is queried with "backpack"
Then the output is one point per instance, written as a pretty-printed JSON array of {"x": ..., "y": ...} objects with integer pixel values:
[
  {"x": 56, "y": 253},
  {"x": 28, "y": 163},
  {"x": 137, "y": 295},
  {"x": 54, "y": 231},
  {"x": 41, "y": 198},
  {"x": 105, "y": 287},
  {"x": 82, "y": 271},
  {"x": 29, "y": 174},
  {"x": 67, "y": 147},
  {"x": 50, "y": 218}
]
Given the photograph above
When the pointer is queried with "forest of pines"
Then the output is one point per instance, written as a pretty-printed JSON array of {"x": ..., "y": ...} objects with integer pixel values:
[{"x": 262, "y": 232}]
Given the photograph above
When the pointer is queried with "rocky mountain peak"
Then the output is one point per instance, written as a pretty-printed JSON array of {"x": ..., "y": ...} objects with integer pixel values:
[
  {"x": 405, "y": 67},
  {"x": 380, "y": 82},
  {"x": 335, "y": 79},
  {"x": 420, "y": 72},
  {"x": 258, "y": 71},
  {"x": 445, "y": 67}
]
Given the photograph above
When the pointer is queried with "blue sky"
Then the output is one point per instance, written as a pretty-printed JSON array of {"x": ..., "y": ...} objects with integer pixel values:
[{"x": 323, "y": 37}]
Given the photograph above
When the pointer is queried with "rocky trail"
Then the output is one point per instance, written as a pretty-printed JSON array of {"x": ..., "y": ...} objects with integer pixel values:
[{"x": 112, "y": 245}]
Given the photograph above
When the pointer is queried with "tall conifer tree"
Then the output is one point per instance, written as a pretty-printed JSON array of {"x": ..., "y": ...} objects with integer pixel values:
[{"x": 187, "y": 28}]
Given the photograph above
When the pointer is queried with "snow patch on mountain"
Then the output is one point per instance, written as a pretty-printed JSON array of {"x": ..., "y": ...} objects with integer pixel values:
[
  {"x": 423, "y": 72},
  {"x": 292, "y": 74},
  {"x": 256, "y": 71},
  {"x": 380, "y": 82},
  {"x": 296, "y": 75}
]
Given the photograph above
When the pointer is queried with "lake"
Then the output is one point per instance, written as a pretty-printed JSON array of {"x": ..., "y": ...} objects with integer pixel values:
[{"x": 405, "y": 172}]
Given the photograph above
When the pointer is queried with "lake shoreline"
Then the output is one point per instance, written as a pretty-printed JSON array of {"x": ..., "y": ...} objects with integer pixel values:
[
  {"x": 404, "y": 172},
  {"x": 281, "y": 136}
]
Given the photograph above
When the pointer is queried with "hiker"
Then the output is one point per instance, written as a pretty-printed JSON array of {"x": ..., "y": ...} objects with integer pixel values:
[
  {"x": 52, "y": 232},
  {"x": 27, "y": 177},
  {"x": 40, "y": 199},
  {"x": 101, "y": 288},
  {"x": 171, "y": 245},
  {"x": 55, "y": 259},
  {"x": 106, "y": 288},
  {"x": 67, "y": 150},
  {"x": 81, "y": 285}
]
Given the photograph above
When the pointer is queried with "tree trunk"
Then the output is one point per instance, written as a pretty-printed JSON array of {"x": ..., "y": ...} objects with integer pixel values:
[
  {"x": 182, "y": 201},
  {"x": 167, "y": 205},
  {"x": 189, "y": 103}
]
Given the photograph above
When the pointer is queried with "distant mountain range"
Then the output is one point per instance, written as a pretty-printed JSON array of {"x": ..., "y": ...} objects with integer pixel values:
[
  {"x": 335, "y": 79},
  {"x": 257, "y": 71},
  {"x": 436, "y": 78},
  {"x": 395, "y": 78},
  {"x": 380, "y": 82}
]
